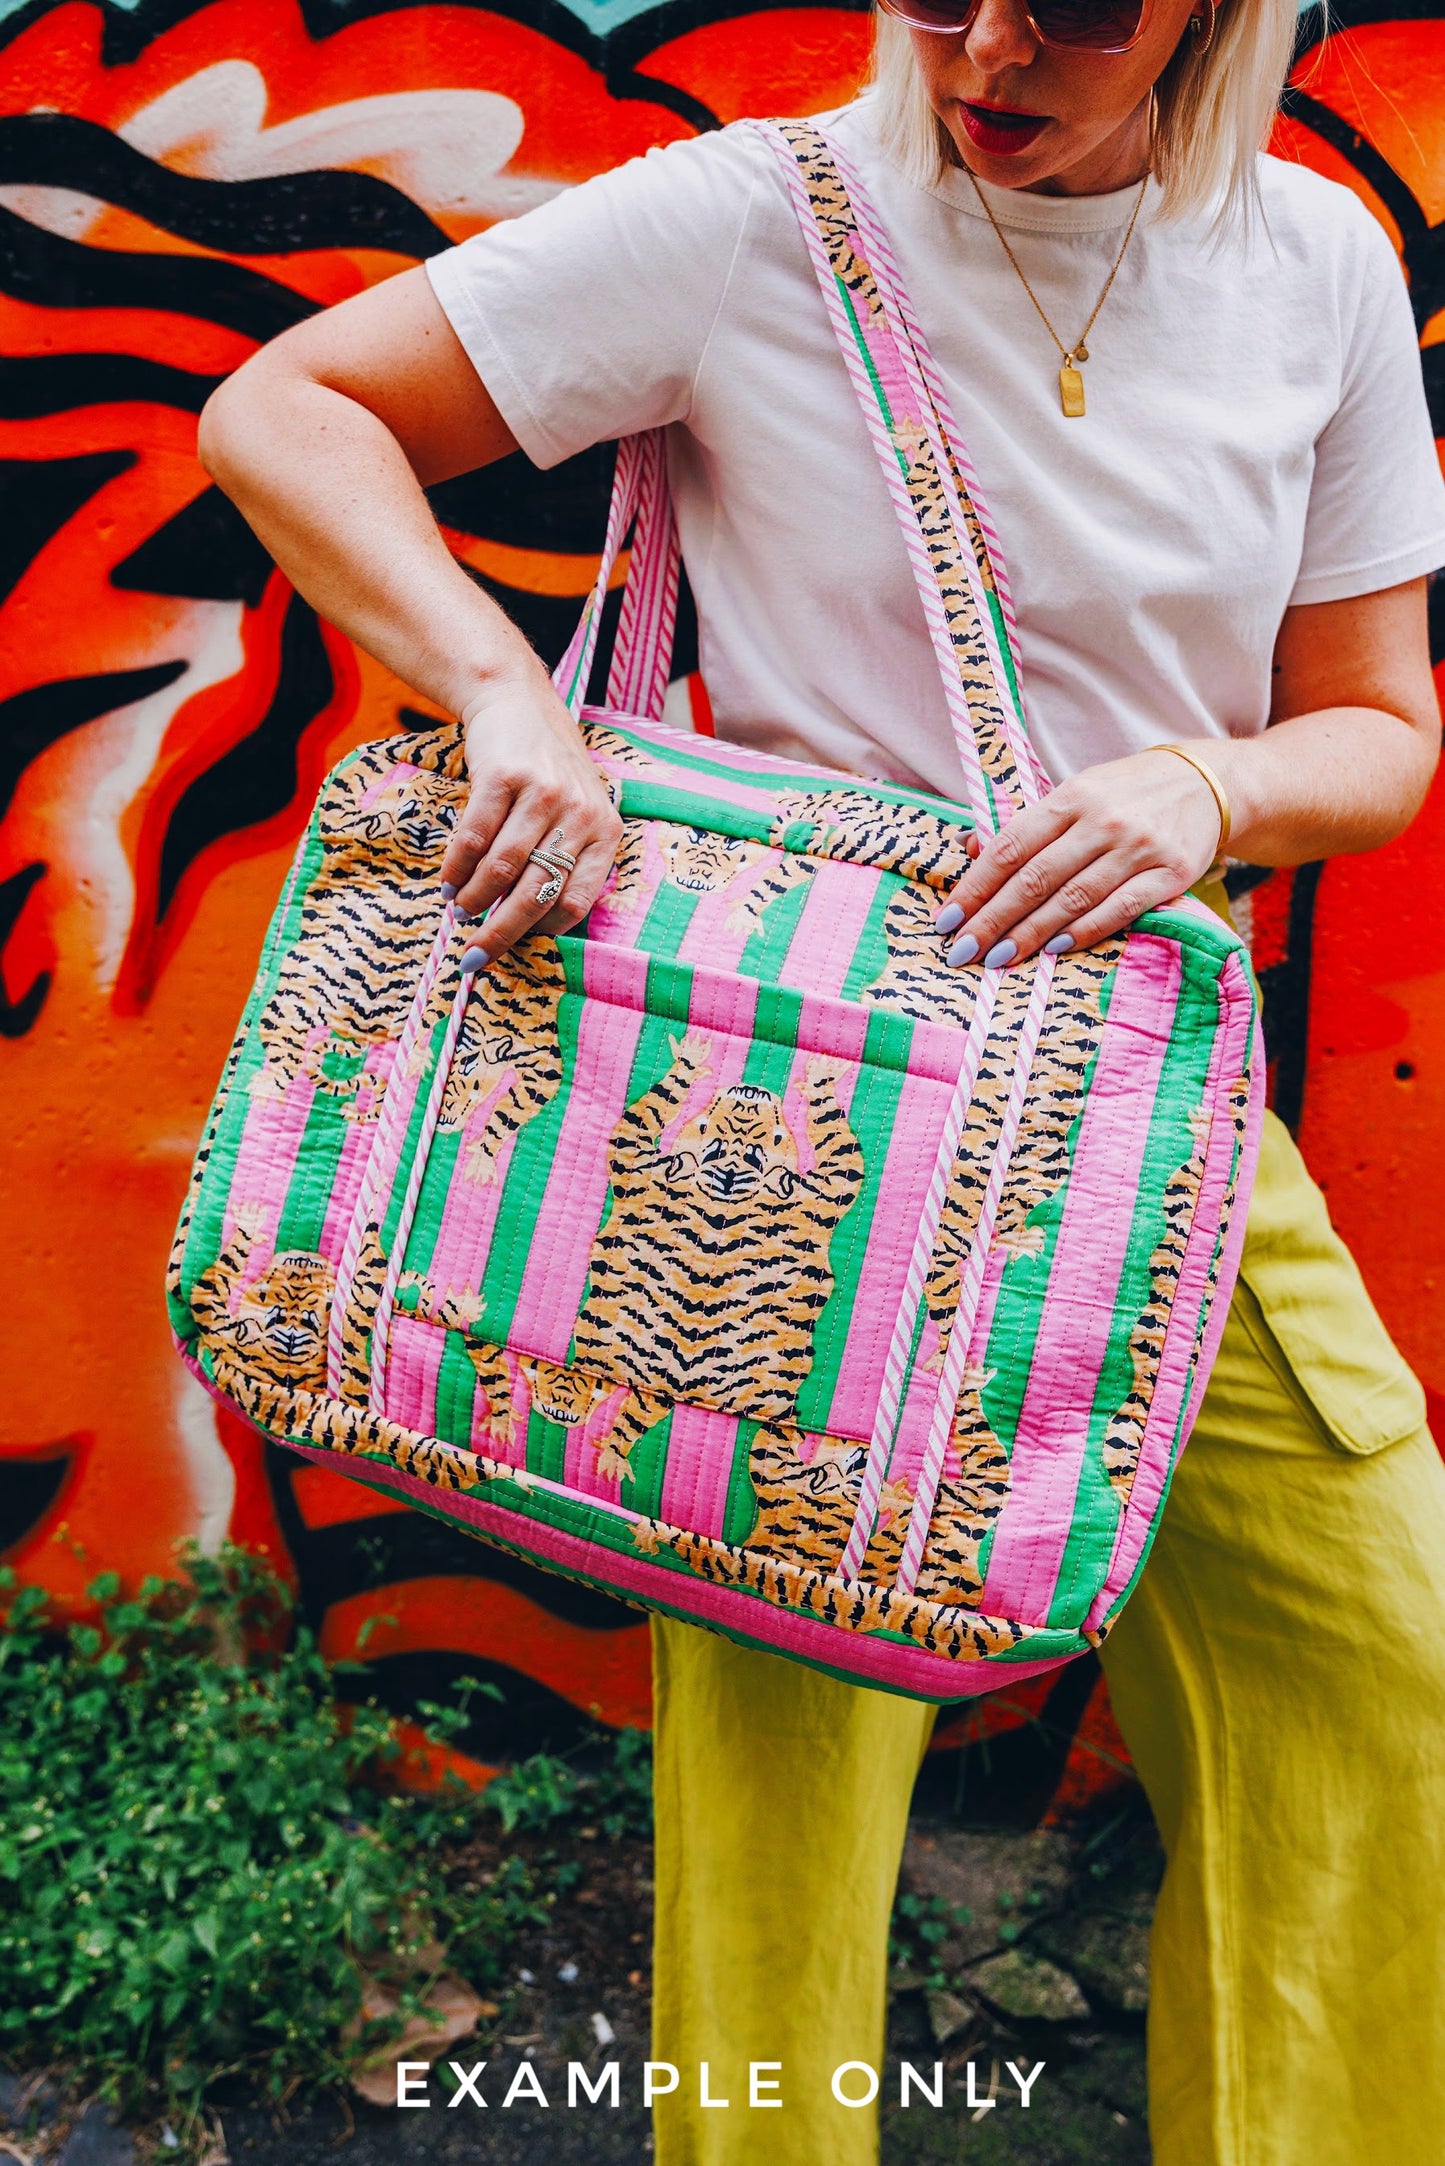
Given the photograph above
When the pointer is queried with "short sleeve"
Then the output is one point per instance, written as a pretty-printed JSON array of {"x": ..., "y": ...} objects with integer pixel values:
[
  {"x": 589, "y": 317},
  {"x": 1377, "y": 501}
]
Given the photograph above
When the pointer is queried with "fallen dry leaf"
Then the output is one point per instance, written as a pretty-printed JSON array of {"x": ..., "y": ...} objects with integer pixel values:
[{"x": 452, "y": 2010}]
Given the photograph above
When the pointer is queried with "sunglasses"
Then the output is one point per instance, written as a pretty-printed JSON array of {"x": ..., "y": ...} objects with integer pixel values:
[{"x": 1068, "y": 26}]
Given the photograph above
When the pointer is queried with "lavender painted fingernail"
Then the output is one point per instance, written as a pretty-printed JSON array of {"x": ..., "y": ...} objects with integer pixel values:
[
  {"x": 475, "y": 959},
  {"x": 463, "y": 917},
  {"x": 949, "y": 918},
  {"x": 963, "y": 951},
  {"x": 1000, "y": 954},
  {"x": 449, "y": 893},
  {"x": 1059, "y": 945}
]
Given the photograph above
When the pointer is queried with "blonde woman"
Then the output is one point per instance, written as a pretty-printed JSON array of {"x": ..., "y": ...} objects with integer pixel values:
[{"x": 1188, "y": 380}]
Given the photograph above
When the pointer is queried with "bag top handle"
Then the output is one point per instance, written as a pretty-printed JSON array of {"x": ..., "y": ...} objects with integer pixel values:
[{"x": 953, "y": 547}]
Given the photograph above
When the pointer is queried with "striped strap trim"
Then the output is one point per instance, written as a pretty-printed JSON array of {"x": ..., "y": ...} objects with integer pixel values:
[
  {"x": 642, "y": 656},
  {"x": 575, "y": 668}
]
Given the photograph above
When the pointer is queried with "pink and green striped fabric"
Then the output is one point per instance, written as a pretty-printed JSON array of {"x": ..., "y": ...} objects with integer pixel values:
[{"x": 731, "y": 1252}]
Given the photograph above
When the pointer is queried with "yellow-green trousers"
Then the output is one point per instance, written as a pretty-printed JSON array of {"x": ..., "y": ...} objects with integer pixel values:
[{"x": 1279, "y": 1676}]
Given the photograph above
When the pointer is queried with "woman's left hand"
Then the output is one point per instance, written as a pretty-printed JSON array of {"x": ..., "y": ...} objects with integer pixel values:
[{"x": 1085, "y": 861}]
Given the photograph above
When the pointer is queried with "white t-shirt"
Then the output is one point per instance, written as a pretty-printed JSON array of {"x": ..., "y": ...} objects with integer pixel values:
[{"x": 1256, "y": 435}]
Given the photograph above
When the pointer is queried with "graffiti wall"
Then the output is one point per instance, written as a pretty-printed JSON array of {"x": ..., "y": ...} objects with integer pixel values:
[{"x": 178, "y": 183}]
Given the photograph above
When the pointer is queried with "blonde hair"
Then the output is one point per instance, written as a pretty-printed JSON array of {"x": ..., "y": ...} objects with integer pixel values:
[{"x": 1212, "y": 110}]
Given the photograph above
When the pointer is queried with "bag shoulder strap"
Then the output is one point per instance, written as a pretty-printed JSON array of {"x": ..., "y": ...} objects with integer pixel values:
[
  {"x": 642, "y": 651},
  {"x": 952, "y": 543}
]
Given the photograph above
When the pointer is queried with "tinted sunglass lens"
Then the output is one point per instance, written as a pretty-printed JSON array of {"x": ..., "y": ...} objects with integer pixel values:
[
  {"x": 932, "y": 14},
  {"x": 1087, "y": 23}
]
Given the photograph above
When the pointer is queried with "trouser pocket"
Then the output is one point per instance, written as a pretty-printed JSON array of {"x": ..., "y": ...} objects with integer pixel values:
[{"x": 1320, "y": 1322}]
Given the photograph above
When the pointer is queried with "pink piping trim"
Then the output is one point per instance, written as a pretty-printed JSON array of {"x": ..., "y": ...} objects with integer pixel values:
[
  {"x": 896, "y": 1362},
  {"x": 385, "y": 1150},
  {"x": 971, "y": 1286},
  {"x": 381, "y": 1322}
]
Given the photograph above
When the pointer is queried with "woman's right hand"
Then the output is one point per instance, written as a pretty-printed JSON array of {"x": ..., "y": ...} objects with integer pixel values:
[{"x": 530, "y": 775}]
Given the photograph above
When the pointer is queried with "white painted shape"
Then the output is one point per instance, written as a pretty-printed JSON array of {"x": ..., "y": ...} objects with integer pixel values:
[
  {"x": 213, "y": 1478},
  {"x": 58, "y": 210},
  {"x": 132, "y": 739},
  {"x": 443, "y": 148}
]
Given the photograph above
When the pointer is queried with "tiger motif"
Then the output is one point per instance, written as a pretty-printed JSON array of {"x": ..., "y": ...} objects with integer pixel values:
[
  {"x": 568, "y": 1397},
  {"x": 1039, "y": 1163},
  {"x": 267, "y": 1337},
  {"x": 560, "y": 1394},
  {"x": 1124, "y": 1436},
  {"x": 509, "y": 1035},
  {"x": 866, "y": 1604},
  {"x": 367, "y": 920},
  {"x": 701, "y": 862},
  {"x": 915, "y": 977},
  {"x": 805, "y": 1507},
  {"x": 971, "y": 1493},
  {"x": 853, "y": 827},
  {"x": 712, "y": 1267}
]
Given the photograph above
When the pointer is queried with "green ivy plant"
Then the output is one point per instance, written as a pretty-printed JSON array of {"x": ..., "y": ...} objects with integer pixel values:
[{"x": 199, "y": 1867}]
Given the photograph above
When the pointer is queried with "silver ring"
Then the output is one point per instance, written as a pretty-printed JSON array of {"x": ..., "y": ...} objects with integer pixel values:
[{"x": 555, "y": 860}]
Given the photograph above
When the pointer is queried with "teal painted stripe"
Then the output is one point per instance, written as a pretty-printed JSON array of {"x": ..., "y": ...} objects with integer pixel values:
[
  {"x": 438, "y": 1182},
  {"x": 313, "y": 1177},
  {"x": 1097, "y": 1508},
  {"x": 456, "y": 1393},
  {"x": 669, "y": 915}
]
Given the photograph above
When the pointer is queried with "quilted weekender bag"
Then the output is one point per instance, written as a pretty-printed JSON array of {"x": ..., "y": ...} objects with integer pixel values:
[{"x": 731, "y": 1252}]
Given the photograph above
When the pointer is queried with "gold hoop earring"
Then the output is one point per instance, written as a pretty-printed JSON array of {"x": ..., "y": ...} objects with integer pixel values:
[{"x": 1201, "y": 27}]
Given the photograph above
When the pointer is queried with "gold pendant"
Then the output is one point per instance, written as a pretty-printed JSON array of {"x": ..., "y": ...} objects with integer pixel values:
[{"x": 1071, "y": 388}]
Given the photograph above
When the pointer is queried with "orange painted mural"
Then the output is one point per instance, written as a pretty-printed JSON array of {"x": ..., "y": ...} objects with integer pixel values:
[{"x": 178, "y": 183}]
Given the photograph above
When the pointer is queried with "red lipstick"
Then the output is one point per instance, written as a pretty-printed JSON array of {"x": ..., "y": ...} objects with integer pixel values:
[{"x": 1000, "y": 131}]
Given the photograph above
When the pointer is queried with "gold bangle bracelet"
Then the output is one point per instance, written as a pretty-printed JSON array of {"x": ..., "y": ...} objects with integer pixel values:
[{"x": 1208, "y": 775}]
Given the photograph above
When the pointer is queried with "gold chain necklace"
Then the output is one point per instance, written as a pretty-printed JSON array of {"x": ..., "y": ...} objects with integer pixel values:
[{"x": 1071, "y": 383}]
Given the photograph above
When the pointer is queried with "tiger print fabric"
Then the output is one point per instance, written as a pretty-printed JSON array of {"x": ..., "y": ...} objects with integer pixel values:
[
  {"x": 1125, "y": 1431},
  {"x": 713, "y": 1263},
  {"x": 344, "y": 986},
  {"x": 508, "y": 1059},
  {"x": 268, "y": 1333},
  {"x": 697, "y": 862},
  {"x": 626, "y": 1260}
]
